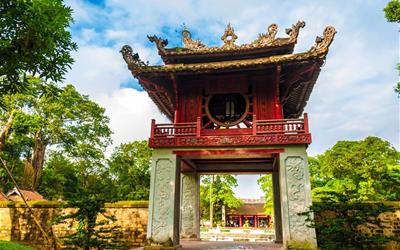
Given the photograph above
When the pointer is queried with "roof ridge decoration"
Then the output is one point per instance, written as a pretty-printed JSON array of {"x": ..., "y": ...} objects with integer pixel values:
[
  {"x": 318, "y": 51},
  {"x": 189, "y": 43},
  {"x": 191, "y": 46},
  {"x": 323, "y": 43},
  {"x": 229, "y": 37}
]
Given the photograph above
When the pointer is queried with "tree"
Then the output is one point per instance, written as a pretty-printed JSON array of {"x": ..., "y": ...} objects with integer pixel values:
[
  {"x": 222, "y": 195},
  {"x": 34, "y": 40},
  {"x": 392, "y": 11},
  {"x": 366, "y": 170},
  {"x": 265, "y": 182},
  {"x": 392, "y": 14},
  {"x": 57, "y": 117},
  {"x": 91, "y": 189},
  {"x": 60, "y": 178},
  {"x": 130, "y": 167}
]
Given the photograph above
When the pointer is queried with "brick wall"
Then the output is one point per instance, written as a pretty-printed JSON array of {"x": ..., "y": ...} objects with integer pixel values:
[{"x": 16, "y": 224}]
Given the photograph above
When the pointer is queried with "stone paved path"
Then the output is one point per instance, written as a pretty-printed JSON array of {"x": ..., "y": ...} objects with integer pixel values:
[{"x": 228, "y": 245}]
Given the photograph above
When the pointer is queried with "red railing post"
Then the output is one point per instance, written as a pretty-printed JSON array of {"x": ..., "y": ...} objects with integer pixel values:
[
  {"x": 306, "y": 129},
  {"x": 153, "y": 124},
  {"x": 254, "y": 124},
  {"x": 198, "y": 126}
]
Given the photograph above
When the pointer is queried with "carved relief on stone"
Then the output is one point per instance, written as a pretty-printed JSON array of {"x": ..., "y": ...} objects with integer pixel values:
[
  {"x": 295, "y": 167},
  {"x": 163, "y": 193},
  {"x": 188, "y": 202}
]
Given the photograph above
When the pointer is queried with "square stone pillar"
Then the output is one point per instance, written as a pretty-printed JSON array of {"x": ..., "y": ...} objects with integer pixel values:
[
  {"x": 163, "y": 227},
  {"x": 277, "y": 207},
  {"x": 294, "y": 180},
  {"x": 190, "y": 206}
]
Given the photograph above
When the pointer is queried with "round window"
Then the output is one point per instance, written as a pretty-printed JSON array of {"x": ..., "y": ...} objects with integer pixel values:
[{"x": 227, "y": 109}]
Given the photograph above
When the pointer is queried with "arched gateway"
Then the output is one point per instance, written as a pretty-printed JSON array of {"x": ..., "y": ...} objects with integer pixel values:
[{"x": 234, "y": 108}]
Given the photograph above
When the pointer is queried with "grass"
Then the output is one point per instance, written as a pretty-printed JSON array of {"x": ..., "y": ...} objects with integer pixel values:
[{"x": 7, "y": 245}]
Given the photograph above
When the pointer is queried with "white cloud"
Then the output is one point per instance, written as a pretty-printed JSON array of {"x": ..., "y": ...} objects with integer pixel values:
[
  {"x": 130, "y": 113},
  {"x": 352, "y": 99}
]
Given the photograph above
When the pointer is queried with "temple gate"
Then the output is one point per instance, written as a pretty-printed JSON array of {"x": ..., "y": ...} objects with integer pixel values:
[{"x": 234, "y": 109}]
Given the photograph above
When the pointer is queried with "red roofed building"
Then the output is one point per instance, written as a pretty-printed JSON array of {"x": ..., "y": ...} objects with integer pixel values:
[
  {"x": 250, "y": 214},
  {"x": 3, "y": 197},
  {"x": 29, "y": 195}
]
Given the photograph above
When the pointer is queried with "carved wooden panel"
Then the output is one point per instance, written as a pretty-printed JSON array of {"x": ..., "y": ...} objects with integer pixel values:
[{"x": 281, "y": 139}]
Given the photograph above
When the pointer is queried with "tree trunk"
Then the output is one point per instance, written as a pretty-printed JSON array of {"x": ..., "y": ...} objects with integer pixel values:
[
  {"x": 6, "y": 130},
  {"x": 39, "y": 150}
]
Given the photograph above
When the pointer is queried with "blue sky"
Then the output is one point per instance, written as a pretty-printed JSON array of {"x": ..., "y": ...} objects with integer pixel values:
[{"x": 353, "y": 97}]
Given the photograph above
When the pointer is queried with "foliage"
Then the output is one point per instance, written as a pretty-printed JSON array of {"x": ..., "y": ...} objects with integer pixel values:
[
  {"x": 60, "y": 178},
  {"x": 130, "y": 168},
  {"x": 344, "y": 224},
  {"x": 265, "y": 182},
  {"x": 397, "y": 88},
  {"x": 35, "y": 40},
  {"x": 222, "y": 195},
  {"x": 392, "y": 11},
  {"x": 56, "y": 117},
  {"x": 392, "y": 14},
  {"x": 89, "y": 197},
  {"x": 366, "y": 170},
  {"x": 7, "y": 245}
]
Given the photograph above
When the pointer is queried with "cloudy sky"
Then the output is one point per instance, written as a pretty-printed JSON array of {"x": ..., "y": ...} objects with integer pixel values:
[{"x": 353, "y": 97}]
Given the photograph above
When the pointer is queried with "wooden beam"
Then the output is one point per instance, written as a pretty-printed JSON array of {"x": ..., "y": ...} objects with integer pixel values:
[{"x": 228, "y": 152}]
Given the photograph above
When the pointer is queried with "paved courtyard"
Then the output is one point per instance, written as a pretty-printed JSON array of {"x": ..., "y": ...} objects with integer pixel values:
[{"x": 229, "y": 245}]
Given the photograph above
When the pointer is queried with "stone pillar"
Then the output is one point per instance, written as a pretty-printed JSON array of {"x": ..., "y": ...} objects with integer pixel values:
[
  {"x": 163, "y": 227},
  {"x": 190, "y": 208},
  {"x": 277, "y": 207},
  {"x": 294, "y": 178}
]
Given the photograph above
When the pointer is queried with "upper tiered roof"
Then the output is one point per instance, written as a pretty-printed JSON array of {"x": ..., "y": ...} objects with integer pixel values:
[{"x": 299, "y": 71}]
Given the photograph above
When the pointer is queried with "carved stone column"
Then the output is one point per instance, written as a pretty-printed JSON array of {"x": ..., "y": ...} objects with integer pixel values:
[
  {"x": 295, "y": 197},
  {"x": 163, "y": 227},
  {"x": 190, "y": 206},
  {"x": 277, "y": 207}
]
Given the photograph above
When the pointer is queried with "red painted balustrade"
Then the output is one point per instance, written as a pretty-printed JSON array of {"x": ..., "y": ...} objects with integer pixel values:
[{"x": 261, "y": 132}]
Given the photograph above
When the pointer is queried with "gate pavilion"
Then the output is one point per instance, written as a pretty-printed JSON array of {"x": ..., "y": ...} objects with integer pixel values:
[{"x": 233, "y": 109}]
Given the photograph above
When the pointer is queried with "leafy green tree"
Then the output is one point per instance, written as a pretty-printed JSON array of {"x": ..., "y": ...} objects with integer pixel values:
[
  {"x": 392, "y": 11},
  {"x": 265, "y": 182},
  {"x": 91, "y": 191},
  {"x": 366, "y": 170},
  {"x": 337, "y": 219},
  {"x": 60, "y": 178},
  {"x": 34, "y": 40},
  {"x": 56, "y": 117},
  {"x": 392, "y": 14},
  {"x": 130, "y": 166},
  {"x": 222, "y": 195}
]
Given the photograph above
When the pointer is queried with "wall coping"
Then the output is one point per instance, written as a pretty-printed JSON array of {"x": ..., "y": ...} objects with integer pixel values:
[{"x": 62, "y": 204}]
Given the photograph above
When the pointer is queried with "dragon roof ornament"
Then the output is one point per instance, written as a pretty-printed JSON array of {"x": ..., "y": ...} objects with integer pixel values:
[
  {"x": 318, "y": 51},
  {"x": 191, "y": 46}
]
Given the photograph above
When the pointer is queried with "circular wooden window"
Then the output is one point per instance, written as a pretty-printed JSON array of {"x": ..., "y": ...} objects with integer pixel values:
[{"x": 227, "y": 110}]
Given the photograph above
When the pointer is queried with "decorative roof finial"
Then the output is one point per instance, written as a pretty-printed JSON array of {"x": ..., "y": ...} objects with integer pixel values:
[
  {"x": 268, "y": 38},
  {"x": 229, "y": 37},
  {"x": 324, "y": 42},
  {"x": 188, "y": 42},
  {"x": 160, "y": 43},
  {"x": 294, "y": 31}
]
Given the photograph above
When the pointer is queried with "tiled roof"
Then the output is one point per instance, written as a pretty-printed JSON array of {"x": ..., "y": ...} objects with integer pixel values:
[{"x": 29, "y": 195}]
